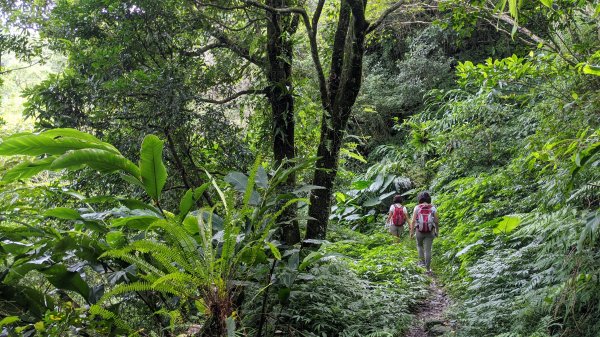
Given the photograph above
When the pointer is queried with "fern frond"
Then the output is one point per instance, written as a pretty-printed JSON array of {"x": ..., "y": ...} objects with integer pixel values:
[
  {"x": 96, "y": 309},
  {"x": 230, "y": 240},
  {"x": 164, "y": 254},
  {"x": 141, "y": 287},
  {"x": 125, "y": 255},
  {"x": 183, "y": 283},
  {"x": 179, "y": 236},
  {"x": 250, "y": 185}
]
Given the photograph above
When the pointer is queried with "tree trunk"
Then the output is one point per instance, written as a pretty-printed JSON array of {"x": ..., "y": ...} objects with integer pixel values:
[
  {"x": 279, "y": 93},
  {"x": 344, "y": 85},
  {"x": 325, "y": 173}
]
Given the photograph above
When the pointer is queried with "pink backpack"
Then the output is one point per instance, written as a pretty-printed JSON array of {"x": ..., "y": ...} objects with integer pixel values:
[
  {"x": 425, "y": 219},
  {"x": 398, "y": 217}
]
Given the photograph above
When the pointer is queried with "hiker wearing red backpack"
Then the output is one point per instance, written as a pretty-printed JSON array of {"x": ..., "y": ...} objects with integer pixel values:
[
  {"x": 425, "y": 222},
  {"x": 397, "y": 217}
]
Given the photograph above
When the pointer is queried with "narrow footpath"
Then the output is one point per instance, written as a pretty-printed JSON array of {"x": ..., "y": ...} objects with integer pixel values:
[{"x": 430, "y": 320}]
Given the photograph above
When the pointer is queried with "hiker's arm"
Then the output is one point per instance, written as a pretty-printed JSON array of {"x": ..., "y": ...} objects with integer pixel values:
[{"x": 411, "y": 224}]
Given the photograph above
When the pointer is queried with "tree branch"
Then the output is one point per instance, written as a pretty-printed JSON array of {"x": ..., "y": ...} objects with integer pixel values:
[
  {"x": 237, "y": 48},
  {"x": 232, "y": 97},
  {"x": 296, "y": 10},
  {"x": 384, "y": 15},
  {"x": 225, "y": 8},
  {"x": 20, "y": 68},
  {"x": 317, "y": 14},
  {"x": 312, "y": 37},
  {"x": 201, "y": 51}
]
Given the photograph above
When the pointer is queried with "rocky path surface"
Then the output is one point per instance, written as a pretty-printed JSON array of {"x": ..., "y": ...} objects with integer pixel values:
[{"x": 430, "y": 320}]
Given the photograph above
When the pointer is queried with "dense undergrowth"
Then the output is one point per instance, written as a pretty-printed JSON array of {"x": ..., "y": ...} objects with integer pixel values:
[
  {"x": 501, "y": 127},
  {"x": 118, "y": 265},
  {"x": 513, "y": 153}
]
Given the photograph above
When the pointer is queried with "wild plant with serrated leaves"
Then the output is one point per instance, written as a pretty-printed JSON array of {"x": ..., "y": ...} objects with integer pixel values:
[{"x": 183, "y": 267}]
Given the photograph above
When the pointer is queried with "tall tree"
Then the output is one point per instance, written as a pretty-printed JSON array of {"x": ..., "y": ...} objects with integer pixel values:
[
  {"x": 338, "y": 92},
  {"x": 280, "y": 28}
]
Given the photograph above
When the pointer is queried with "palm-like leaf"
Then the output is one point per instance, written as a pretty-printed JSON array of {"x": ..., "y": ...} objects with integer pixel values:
[
  {"x": 101, "y": 160},
  {"x": 35, "y": 145},
  {"x": 28, "y": 169},
  {"x": 153, "y": 171}
]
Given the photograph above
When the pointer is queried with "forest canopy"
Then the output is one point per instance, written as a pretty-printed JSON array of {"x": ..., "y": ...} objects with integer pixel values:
[{"x": 226, "y": 167}]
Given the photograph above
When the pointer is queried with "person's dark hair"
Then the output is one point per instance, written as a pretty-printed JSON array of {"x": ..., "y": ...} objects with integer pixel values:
[
  {"x": 424, "y": 197},
  {"x": 398, "y": 199}
]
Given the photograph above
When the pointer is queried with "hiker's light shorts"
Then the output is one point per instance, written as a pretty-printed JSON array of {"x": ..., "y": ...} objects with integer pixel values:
[{"x": 396, "y": 230}]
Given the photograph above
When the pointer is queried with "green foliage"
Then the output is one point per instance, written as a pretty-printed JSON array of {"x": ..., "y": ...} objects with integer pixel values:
[
  {"x": 140, "y": 252},
  {"x": 363, "y": 285},
  {"x": 152, "y": 170}
]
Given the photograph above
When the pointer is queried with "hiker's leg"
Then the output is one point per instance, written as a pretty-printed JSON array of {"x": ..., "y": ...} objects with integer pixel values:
[
  {"x": 395, "y": 230},
  {"x": 427, "y": 243},
  {"x": 420, "y": 247}
]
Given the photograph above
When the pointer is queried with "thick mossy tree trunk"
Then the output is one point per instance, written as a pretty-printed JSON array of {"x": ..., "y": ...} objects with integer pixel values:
[
  {"x": 343, "y": 85},
  {"x": 279, "y": 92}
]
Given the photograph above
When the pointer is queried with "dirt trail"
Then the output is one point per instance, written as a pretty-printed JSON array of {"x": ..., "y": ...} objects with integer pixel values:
[{"x": 430, "y": 320}]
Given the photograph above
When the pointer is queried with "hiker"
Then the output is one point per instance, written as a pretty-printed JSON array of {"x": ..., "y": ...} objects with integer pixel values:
[
  {"x": 425, "y": 222},
  {"x": 397, "y": 217}
]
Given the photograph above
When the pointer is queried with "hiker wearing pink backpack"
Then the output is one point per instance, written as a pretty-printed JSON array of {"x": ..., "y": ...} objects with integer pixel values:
[
  {"x": 397, "y": 217},
  {"x": 425, "y": 222}
]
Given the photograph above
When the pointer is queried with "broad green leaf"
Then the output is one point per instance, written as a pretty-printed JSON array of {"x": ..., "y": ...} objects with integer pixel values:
[
  {"x": 101, "y": 160},
  {"x": 238, "y": 180},
  {"x": 22, "y": 296},
  {"x": 186, "y": 203},
  {"x": 386, "y": 195},
  {"x": 137, "y": 204},
  {"x": 63, "y": 213},
  {"x": 310, "y": 259},
  {"x": 190, "y": 224},
  {"x": 507, "y": 225},
  {"x": 468, "y": 247},
  {"x": 132, "y": 180},
  {"x": 9, "y": 320},
  {"x": 354, "y": 155},
  {"x": 284, "y": 295},
  {"x": 230, "y": 325},
  {"x": 388, "y": 181},
  {"x": 28, "y": 169},
  {"x": 153, "y": 171},
  {"x": 547, "y": 3},
  {"x": 372, "y": 202},
  {"x": 361, "y": 184},
  {"x": 15, "y": 247},
  {"x": 307, "y": 188},
  {"x": 262, "y": 179},
  {"x": 73, "y": 133},
  {"x": 251, "y": 197},
  {"x": 274, "y": 250},
  {"x": 116, "y": 239},
  {"x": 591, "y": 70},
  {"x": 376, "y": 185},
  {"x": 190, "y": 198},
  {"x": 137, "y": 222},
  {"x": 35, "y": 145},
  {"x": 61, "y": 278},
  {"x": 23, "y": 266}
]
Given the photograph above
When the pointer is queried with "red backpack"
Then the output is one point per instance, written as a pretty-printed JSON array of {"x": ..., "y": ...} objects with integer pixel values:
[
  {"x": 398, "y": 217},
  {"x": 425, "y": 220}
]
